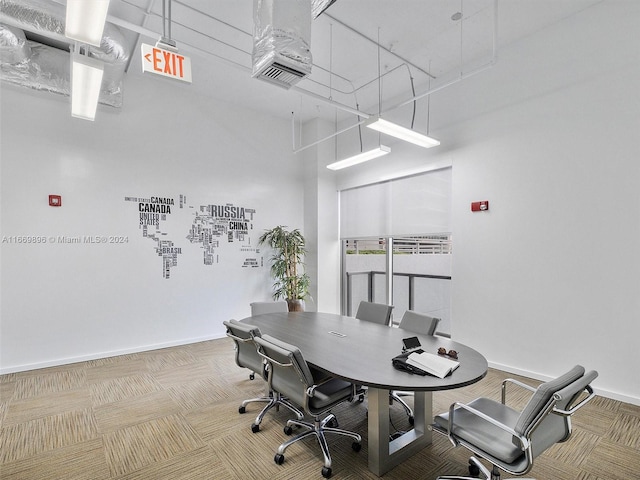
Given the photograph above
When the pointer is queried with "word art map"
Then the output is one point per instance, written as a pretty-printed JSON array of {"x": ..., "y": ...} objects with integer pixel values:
[{"x": 212, "y": 228}]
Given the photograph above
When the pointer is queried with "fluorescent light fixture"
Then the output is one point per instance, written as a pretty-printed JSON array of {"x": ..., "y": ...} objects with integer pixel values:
[
  {"x": 86, "y": 80},
  {"x": 406, "y": 134},
  {"x": 359, "y": 158},
  {"x": 85, "y": 20}
]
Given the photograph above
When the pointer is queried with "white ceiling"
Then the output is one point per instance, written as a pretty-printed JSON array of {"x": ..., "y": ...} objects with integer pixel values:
[
  {"x": 416, "y": 37},
  {"x": 352, "y": 42}
]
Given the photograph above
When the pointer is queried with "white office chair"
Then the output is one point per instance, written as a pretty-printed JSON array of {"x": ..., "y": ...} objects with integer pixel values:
[{"x": 259, "y": 308}]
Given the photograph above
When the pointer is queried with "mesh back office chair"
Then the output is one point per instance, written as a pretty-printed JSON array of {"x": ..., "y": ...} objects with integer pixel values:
[
  {"x": 247, "y": 356},
  {"x": 421, "y": 324},
  {"x": 258, "y": 308},
  {"x": 509, "y": 439},
  {"x": 316, "y": 394}
]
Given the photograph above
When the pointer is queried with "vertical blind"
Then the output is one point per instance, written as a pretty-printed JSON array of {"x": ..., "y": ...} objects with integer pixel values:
[{"x": 416, "y": 205}]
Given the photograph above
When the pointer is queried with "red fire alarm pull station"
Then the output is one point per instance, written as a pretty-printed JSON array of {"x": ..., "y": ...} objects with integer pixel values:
[
  {"x": 480, "y": 206},
  {"x": 55, "y": 200}
]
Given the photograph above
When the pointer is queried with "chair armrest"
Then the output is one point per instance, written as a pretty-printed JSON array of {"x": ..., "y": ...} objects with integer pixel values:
[
  {"x": 311, "y": 390},
  {"x": 478, "y": 413},
  {"x": 574, "y": 408},
  {"x": 515, "y": 382}
]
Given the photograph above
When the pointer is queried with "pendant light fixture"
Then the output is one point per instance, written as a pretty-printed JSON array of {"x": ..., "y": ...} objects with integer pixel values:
[
  {"x": 86, "y": 80},
  {"x": 360, "y": 158},
  {"x": 84, "y": 23},
  {"x": 380, "y": 150},
  {"x": 85, "y": 19},
  {"x": 389, "y": 128}
]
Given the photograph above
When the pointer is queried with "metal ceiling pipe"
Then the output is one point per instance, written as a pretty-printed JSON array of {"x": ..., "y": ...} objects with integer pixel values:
[{"x": 43, "y": 62}]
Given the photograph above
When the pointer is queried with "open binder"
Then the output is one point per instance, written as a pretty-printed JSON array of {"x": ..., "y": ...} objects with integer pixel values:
[{"x": 433, "y": 364}]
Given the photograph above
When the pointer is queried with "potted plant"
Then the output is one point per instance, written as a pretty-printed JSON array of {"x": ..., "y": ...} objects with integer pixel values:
[{"x": 287, "y": 263}]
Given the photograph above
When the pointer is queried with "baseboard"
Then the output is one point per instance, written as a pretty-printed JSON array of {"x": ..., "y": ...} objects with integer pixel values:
[
  {"x": 95, "y": 356},
  {"x": 544, "y": 378}
]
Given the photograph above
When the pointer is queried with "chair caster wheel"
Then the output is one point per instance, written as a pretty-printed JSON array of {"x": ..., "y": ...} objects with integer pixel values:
[
  {"x": 279, "y": 458},
  {"x": 356, "y": 446},
  {"x": 252, "y": 376},
  {"x": 255, "y": 428},
  {"x": 288, "y": 430},
  {"x": 326, "y": 472},
  {"x": 474, "y": 471},
  {"x": 361, "y": 398},
  {"x": 333, "y": 423},
  {"x": 412, "y": 420},
  {"x": 242, "y": 410}
]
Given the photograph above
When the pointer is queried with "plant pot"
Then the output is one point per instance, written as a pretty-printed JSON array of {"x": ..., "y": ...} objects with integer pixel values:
[{"x": 296, "y": 305}]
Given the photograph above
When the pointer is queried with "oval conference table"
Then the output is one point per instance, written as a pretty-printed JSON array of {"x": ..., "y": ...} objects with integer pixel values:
[{"x": 361, "y": 352}]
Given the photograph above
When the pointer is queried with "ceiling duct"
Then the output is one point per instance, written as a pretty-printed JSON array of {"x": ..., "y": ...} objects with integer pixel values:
[
  {"x": 281, "y": 43},
  {"x": 34, "y": 51},
  {"x": 319, "y": 6}
]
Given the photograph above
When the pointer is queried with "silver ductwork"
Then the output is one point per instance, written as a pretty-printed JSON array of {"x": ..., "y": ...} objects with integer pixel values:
[
  {"x": 282, "y": 37},
  {"x": 319, "y": 6},
  {"x": 34, "y": 52}
]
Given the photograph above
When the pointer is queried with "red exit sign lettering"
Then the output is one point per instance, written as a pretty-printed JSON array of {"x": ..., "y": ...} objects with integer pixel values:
[{"x": 166, "y": 63}]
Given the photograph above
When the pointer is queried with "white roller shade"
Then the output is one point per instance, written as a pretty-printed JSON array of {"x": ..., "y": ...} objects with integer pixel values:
[{"x": 416, "y": 205}]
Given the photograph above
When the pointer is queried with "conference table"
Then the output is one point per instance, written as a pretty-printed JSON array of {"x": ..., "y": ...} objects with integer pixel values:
[{"x": 360, "y": 352}]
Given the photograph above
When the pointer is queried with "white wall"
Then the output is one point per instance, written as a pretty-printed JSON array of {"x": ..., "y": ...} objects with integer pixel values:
[
  {"x": 550, "y": 275},
  {"x": 321, "y": 221},
  {"x": 69, "y": 302}
]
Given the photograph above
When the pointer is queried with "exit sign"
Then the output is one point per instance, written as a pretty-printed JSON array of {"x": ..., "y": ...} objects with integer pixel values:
[{"x": 166, "y": 63}]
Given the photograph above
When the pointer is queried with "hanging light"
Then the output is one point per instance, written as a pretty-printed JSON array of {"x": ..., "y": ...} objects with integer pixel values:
[
  {"x": 85, "y": 20},
  {"x": 86, "y": 80},
  {"x": 395, "y": 130},
  {"x": 360, "y": 158}
]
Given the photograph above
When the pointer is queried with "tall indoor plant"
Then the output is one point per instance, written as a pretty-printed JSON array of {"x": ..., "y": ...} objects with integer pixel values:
[{"x": 287, "y": 264}]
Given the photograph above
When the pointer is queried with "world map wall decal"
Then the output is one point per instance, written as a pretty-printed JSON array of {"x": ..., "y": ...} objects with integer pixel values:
[{"x": 212, "y": 227}]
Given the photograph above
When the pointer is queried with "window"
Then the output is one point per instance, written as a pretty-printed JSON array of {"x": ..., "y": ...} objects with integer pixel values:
[{"x": 397, "y": 245}]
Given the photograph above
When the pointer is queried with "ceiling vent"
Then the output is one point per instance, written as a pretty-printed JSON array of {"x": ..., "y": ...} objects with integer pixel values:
[
  {"x": 281, "y": 47},
  {"x": 280, "y": 74}
]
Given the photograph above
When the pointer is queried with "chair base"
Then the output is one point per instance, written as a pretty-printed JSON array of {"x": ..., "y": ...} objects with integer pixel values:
[
  {"x": 318, "y": 428},
  {"x": 273, "y": 400},
  {"x": 475, "y": 468},
  {"x": 395, "y": 397}
]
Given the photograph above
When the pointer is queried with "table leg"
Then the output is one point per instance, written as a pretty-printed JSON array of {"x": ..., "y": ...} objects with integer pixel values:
[{"x": 383, "y": 454}]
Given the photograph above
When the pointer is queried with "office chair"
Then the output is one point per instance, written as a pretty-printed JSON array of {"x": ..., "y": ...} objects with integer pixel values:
[
  {"x": 247, "y": 356},
  {"x": 508, "y": 439},
  {"x": 421, "y": 324},
  {"x": 316, "y": 394},
  {"x": 374, "y": 312},
  {"x": 258, "y": 308}
]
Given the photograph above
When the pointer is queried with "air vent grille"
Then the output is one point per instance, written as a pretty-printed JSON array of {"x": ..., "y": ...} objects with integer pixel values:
[{"x": 281, "y": 75}]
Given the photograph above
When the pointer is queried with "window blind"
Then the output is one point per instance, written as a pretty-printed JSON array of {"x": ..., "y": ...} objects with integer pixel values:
[{"x": 416, "y": 205}]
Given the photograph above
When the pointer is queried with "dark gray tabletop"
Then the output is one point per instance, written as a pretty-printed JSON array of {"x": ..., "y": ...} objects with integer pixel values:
[{"x": 361, "y": 351}]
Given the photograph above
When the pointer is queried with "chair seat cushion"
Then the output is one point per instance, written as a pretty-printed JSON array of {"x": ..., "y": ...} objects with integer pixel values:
[
  {"x": 476, "y": 431},
  {"x": 329, "y": 393}
]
